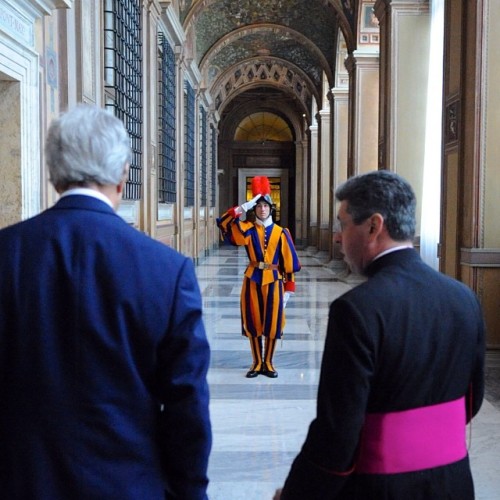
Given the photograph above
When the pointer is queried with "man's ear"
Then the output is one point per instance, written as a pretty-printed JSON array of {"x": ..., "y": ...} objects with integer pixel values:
[
  {"x": 376, "y": 224},
  {"x": 121, "y": 185}
]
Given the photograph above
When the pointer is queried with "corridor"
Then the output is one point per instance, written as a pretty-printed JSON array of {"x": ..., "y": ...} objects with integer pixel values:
[{"x": 259, "y": 424}]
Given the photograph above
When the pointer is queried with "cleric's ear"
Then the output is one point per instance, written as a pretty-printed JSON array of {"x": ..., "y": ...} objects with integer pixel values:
[{"x": 376, "y": 221}]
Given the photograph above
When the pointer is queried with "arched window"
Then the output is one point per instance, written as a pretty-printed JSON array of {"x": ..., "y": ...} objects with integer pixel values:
[{"x": 262, "y": 127}]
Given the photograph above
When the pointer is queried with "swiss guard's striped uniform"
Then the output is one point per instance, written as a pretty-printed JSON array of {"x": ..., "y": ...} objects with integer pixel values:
[{"x": 270, "y": 273}]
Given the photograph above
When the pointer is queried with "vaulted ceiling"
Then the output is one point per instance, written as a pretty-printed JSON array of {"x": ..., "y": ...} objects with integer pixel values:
[{"x": 288, "y": 45}]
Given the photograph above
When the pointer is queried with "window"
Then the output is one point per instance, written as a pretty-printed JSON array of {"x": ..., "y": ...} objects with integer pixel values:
[
  {"x": 167, "y": 181},
  {"x": 123, "y": 78},
  {"x": 189, "y": 146},
  {"x": 213, "y": 138},
  {"x": 262, "y": 127},
  {"x": 203, "y": 157}
]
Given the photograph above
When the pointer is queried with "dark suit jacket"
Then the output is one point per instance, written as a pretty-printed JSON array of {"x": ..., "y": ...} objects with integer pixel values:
[
  {"x": 408, "y": 337},
  {"x": 103, "y": 361}
]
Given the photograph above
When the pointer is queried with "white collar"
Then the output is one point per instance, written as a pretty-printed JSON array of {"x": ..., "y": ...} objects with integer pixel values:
[
  {"x": 265, "y": 223},
  {"x": 88, "y": 192},
  {"x": 393, "y": 249}
]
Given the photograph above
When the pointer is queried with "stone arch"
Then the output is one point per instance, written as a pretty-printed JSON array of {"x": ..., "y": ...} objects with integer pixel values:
[{"x": 269, "y": 72}]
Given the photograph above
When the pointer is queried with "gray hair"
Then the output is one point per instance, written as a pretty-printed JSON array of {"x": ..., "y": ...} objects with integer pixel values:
[
  {"x": 87, "y": 145},
  {"x": 385, "y": 193}
]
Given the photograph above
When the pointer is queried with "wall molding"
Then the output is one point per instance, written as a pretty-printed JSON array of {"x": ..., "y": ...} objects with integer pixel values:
[{"x": 480, "y": 257}]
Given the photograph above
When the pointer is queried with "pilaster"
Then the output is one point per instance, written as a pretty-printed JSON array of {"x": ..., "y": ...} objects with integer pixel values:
[
  {"x": 21, "y": 75},
  {"x": 404, "y": 37},
  {"x": 313, "y": 200},
  {"x": 325, "y": 183},
  {"x": 404, "y": 75},
  {"x": 148, "y": 215},
  {"x": 363, "y": 68},
  {"x": 301, "y": 191},
  {"x": 470, "y": 231},
  {"x": 340, "y": 126},
  {"x": 179, "y": 208}
]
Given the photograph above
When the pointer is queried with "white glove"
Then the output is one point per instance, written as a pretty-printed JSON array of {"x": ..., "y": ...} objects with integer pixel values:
[
  {"x": 250, "y": 204},
  {"x": 286, "y": 296}
]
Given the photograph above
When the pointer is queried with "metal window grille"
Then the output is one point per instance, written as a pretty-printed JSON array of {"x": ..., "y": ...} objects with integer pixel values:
[
  {"x": 123, "y": 78},
  {"x": 167, "y": 180},
  {"x": 189, "y": 110},
  {"x": 203, "y": 157},
  {"x": 213, "y": 180}
]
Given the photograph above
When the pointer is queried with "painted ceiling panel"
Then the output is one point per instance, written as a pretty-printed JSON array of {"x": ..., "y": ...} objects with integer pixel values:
[
  {"x": 346, "y": 6},
  {"x": 312, "y": 18},
  {"x": 281, "y": 45},
  {"x": 229, "y": 38}
]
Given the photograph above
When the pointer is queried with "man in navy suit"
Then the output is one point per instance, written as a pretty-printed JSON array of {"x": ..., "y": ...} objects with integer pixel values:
[
  {"x": 403, "y": 365},
  {"x": 103, "y": 352}
]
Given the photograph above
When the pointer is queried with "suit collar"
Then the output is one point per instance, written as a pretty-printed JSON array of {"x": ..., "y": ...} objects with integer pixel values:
[{"x": 398, "y": 257}]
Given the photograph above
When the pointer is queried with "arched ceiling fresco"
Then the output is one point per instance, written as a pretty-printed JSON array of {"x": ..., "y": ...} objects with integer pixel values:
[
  {"x": 282, "y": 43},
  {"x": 229, "y": 39}
]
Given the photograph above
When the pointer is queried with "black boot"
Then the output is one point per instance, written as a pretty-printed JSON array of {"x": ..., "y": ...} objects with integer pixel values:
[
  {"x": 256, "y": 347},
  {"x": 267, "y": 366}
]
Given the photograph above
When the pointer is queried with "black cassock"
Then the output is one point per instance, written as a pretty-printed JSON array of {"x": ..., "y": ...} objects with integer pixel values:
[{"x": 409, "y": 337}]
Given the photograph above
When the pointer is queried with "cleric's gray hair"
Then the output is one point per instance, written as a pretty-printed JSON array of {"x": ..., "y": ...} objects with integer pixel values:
[{"x": 385, "y": 193}]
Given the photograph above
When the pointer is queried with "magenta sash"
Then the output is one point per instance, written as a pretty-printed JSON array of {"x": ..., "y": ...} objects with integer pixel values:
[{"x": 412, "y": 440}]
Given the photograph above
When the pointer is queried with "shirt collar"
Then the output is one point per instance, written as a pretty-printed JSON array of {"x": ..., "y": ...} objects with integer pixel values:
[
  {"x": 88, "y": 192},
  {"x": 390, "y": 250}
]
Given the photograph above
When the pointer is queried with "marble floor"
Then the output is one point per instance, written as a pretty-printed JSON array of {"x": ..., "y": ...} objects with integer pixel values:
[{"x": 259, "y": 424}]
